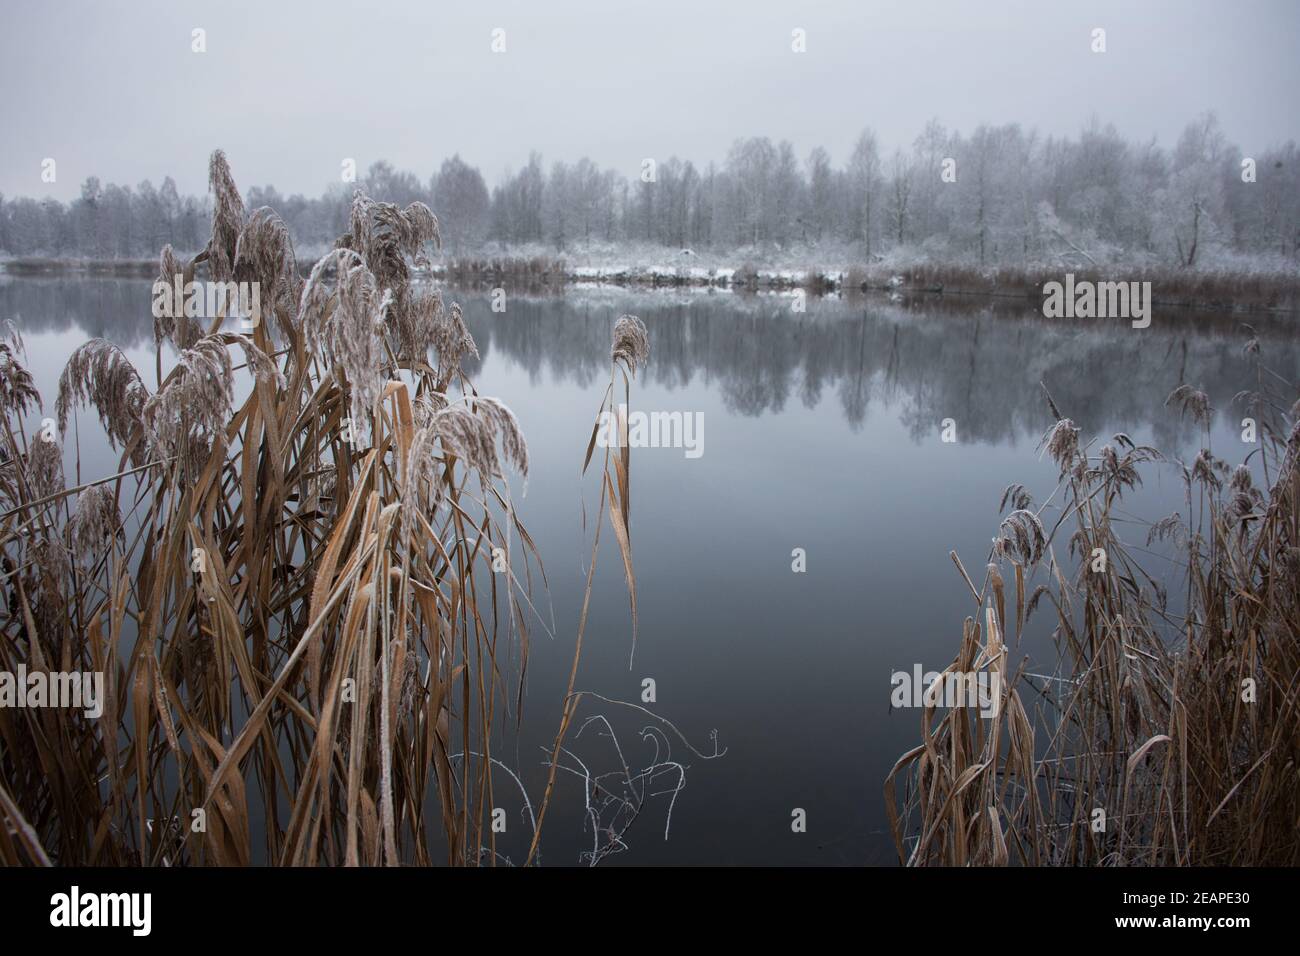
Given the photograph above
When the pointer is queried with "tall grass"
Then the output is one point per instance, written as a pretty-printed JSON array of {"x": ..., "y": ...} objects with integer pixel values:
[
  {"x": 535, "y": 271},
  {"x": 1179, "y": 288},
  {"x": 1169, "y": 732},
  {"x": 308, "y": 658}
]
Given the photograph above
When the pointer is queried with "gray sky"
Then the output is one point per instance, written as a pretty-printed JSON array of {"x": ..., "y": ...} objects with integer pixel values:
[{"x": 289, "y": 90}]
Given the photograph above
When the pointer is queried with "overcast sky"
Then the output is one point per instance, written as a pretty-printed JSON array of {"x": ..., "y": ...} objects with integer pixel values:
[{"x": 289, "y": 90}]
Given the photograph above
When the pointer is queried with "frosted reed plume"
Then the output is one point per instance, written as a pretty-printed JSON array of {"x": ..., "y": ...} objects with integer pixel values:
[
  {"x": 501, "y": 422},
  {"x": 1119, "y": 473},
  {"x": 99, "y": 374},
  {"x": 1246, "y": 500},
  {"x": 1018, "y": 495},
  {"x": 263, "y": 368},
  {"x": 1022, "y": 533},
  {"x": 1191, "y": 401},
  {"x": 414, "y": 325},
  {"x": 10, "y": 333},
  {"x": 348, "y": 321},
  {"x": 370, "y": 297},
  {"x": 51, "y": 559},
  {"x": 264, "y": 254},
  {"x": 316, "y": 296},
  {"x": 451, "y": 339},
  {"x": 422, "y": 468},
  {"x": 631, "y": 342},
  {"x": 1290, "y": 466},
  {"x": 1208, "y": 470},
  {"x": 1062, "y": 443},
  {"x": 169, "y": 267},
  {"x": 192, "y": 408},
  {"x": 45, "y": 468},
  {"x": 354, "y": 333},
  {"x": 164, "y": 325},
  {"x": 385, "y": 235},
  {"x": 176, "y": 327},
  {"x": 17, "y": 389},
  {"x": 425, "y": 323},
  {"x": 469, "y": 437},
  {"x": 426, "y": 406},
  {"x": 227, "y": 218},
  {"x": 94, "y": 521},
  {"x": 469, "y": 433}
]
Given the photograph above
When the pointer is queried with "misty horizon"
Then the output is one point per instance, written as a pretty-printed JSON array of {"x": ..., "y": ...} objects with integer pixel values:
[
  {"x": 425, "y": 176},
  {"x": 676, "y": 82}
]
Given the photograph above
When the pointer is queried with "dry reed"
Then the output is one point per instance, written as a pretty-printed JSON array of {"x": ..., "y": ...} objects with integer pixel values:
[
  {"x": 296, "y": 619},
  {"x": 1162, "y": 736}
]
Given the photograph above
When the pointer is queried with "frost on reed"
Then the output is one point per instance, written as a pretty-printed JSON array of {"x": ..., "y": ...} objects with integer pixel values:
[
  {"x": 227, "y": 218},
  {"x": 45, "y": 468},
  {"x": 501, "y": 421},
  {"x": 1159, "y": 735},
  {"x": 385, "y": 235},
  {"x": 1062, "y": 444},
  {"x": 450, "y": 338},
  {"x": 631, "y": 343},
  {"x": 414, "y": 327},
  {"x": 173, "y": 325},
  {"x": 348, "y": 321},
  {"x": 466, "y": 432},
  {"x": 189, "y": 413},
  {"x": 358, "y": 305},
  {"x": 18, "y": 393},
  {"x": 629, "y": 350},
  {"x": 301, "y": 618},
  {"x": 264, "y": 255},
  {"x": 94, "y": 520},
  {"x": 1193, "y": 402},
  {"x": 419, "y": 321},
  {"x": 313, "y": 622},
  {"x": 264, "y": 369},
  {"x": 99, "y": 374},
  {"x": 1021, "y": 535}
]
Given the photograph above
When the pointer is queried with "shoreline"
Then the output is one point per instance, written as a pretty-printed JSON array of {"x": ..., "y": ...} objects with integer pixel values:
[{"x": 1271, "y": 293}]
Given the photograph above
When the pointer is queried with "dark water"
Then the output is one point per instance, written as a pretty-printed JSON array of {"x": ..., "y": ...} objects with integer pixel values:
[{"x": 822, "y": 431}]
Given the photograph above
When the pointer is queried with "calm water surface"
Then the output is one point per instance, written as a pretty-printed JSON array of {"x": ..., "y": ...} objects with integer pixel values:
[{"x": 822, "y": 432}]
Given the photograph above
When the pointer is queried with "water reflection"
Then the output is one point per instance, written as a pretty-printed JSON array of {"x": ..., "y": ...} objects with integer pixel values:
[
  {"x": 979, "y": 367},
  {"x": 793, "y": 669},
  {"x": 982, "y": 369}
]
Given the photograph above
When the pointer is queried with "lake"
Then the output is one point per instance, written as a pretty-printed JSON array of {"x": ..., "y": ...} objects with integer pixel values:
[{"x": 823, "y": 431}]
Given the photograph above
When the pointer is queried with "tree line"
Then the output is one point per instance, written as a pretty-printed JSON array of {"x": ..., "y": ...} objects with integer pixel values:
[{"x": 1001, "y": 195}]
